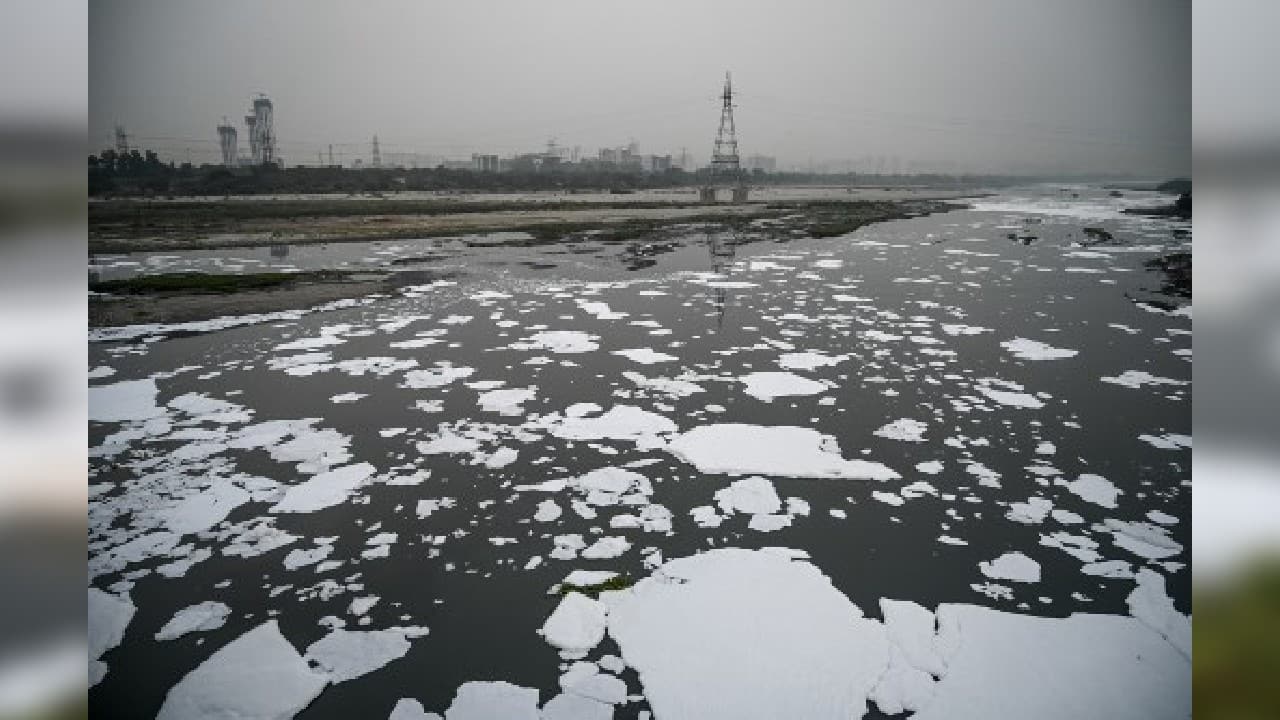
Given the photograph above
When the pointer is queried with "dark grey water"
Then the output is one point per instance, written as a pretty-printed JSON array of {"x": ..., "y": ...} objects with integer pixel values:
[{"x": 917, "y": 310}]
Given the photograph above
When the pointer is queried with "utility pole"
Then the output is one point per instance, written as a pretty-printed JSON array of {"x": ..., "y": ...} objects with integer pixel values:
[{"x": 331, "y": 153}]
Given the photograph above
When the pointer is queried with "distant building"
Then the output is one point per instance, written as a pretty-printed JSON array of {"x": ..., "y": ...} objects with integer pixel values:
[
  {"x": 485, "y": 163},
  {"x": 262, "y": 134},
  {"x": 526, "y": 162},
  {"x": 227, "y": 143},
  {"x": 763, "y": 163},
  {"x": 656, "y": 163},
  {"x": 629, "y": 158},
  {"x": 456, "y": 164}
]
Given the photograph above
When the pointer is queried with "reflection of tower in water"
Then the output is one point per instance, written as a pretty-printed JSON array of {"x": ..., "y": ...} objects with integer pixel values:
[
  {"x": 279, "y": 250},
  {"x": 723, "y": 249},
  {"x": 637, "y": 256}
]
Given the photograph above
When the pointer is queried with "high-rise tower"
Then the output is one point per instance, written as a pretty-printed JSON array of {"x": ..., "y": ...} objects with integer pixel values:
[{"x": 377, "y": 153}]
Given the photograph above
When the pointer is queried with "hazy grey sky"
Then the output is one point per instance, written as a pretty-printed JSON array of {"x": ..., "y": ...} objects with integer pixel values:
[{"x": 986, "y": 85}]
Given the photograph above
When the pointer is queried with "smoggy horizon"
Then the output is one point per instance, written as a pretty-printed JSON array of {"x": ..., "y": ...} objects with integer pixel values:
[{"x": 990, "y": 87}]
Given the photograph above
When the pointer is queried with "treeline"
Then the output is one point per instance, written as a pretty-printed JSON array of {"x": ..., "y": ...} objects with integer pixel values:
[{"x": 143, "y": 174}]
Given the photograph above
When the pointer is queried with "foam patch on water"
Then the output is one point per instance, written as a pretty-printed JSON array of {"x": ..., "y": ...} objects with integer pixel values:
[
  {"x": 259, "y": 674},
  {"x": 507, "y": 401},
  {"x": 620, "y": 422},
  {"x": 490, "y": 700},
  {"x": 766, "y": 386},
  {"x": 130, "y": 400},
  {"x": 346, "y": 655},
  {"x": 904, "y": 429},
  {"x": 1035, "y": 350},
  {"x": 1008, "y": 397},
  {"x": 324, "y": 490},
  {"x": 808, "y": 360},
  {"x": 645, "y": 356},
  {"x": 673, "y": 387},
  {"x": 1137, "y": 378},
  {"x": 437, "y": 377},
  {"x": 559, "y": 341},
  {"x": 1013, "y": 566},
  {"x": 686, "y": 637},
  {"x": 109, "y": 615},
  {"x": 778, "y": 450},
  {"x": 715, "y": 636},
  {"x": 1095, "y": 489},
  {"x": 201, "y": 617},
  {"x": 578, "y": 623}
]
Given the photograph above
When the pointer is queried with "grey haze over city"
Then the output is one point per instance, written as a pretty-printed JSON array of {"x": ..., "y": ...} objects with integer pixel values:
[{"x": 990, "y": 86}]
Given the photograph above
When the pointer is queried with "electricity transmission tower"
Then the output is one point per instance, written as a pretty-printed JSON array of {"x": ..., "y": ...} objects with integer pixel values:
[{"x": 725, "y": 166}]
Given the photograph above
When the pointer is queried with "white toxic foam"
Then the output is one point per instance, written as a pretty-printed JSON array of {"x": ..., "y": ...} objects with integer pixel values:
[
  {"x": 577, "y": 624},
  {"x": 324, "y": 490},
  {"x": 1034, "y": 350},
  {"x": 201, "y": 617},
  {"x": 784, "y": 451},
  {"x": 257, "y": 675},
  {"x": 645, "y": 356},
  {"x": 346, "y": 654},
  {"x": 493, "y": 700},
  {"x": 1013, "y": 566},
  {"x": 559, "y": 341},
  {"x": 740, "y": 634},
  {"x": 1095, "y": 489},
  {"x": 109, "y": 616},
  {"x": 124, "y": 401},
  {"x": 904, "y": 429},
  {"x": 768, "y": 385}
]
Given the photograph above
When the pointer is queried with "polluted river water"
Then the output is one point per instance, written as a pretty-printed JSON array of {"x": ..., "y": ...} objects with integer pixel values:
[{"x": 814, "y": 478}]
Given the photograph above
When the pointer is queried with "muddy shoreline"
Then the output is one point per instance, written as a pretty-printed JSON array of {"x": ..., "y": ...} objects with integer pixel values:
[
  {"x": 608, "y": 234},
  {"x": 133, "y": 226},
  {"x": 186, "y": 307}
]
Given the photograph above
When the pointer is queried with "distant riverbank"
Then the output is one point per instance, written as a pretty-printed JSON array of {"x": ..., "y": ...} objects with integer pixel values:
[
  {"x": 177, "y": 273},
  {"x": 136, "y": 225}
]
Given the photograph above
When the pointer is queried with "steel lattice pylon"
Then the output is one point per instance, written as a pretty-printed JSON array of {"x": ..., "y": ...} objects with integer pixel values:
[
  {"x": 725, "y": 166},
  {"x": 724, "y": 159}
]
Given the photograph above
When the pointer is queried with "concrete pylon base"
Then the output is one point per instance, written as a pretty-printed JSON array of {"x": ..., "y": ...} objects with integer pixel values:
[{"x": 736, "y": 194}]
